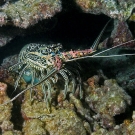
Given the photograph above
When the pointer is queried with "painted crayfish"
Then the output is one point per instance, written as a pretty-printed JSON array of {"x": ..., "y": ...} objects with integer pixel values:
[{"x": 45, "y": 62}]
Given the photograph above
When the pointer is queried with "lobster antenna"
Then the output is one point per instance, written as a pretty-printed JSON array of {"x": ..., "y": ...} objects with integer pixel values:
[
  {"x": 53, "y": 71},
  {"x": 119, "y": 55},
  {"x": 100, "y": 56},
  {"x": 96, "y": 42},
  {"x": 113, "y": 47}
]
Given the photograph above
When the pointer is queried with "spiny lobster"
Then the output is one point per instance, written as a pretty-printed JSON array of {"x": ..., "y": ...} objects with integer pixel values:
[{"x": 45, "y": 62}]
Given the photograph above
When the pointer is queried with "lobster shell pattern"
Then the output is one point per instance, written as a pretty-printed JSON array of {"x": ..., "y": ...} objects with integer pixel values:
[{"x": 37, "y": 60}]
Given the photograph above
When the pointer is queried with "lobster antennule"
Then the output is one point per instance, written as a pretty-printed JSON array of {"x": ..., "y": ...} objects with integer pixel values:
[
  {"x": 79, "y": 54},
  {"x": 96, "y": 42}
]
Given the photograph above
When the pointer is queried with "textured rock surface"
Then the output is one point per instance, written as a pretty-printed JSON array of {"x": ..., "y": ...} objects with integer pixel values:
[
  {"x": 6, "y": 126},
  {"x": 107, "y": 101},
  {"x": 25, "y": 13},
  {"x": 56, "y": 122},
  {"x": 34, "y": 127},
  {"x": 103, "y": 99},
  {"x": 115, "y": 9}
]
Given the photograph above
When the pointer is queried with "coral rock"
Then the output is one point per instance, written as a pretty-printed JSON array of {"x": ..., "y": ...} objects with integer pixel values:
[
  {"x": 57, "y": 122},
  {"x": 34, "y": 127},
  {"x": 65, "y": 122},
  {"x": 107, "y": 101},
  {"x": 115, "y": 9},
  {"x": 12, "y": 133},
  {"x": 5, "y": 110},
  {"x": 25, "y": 13}
]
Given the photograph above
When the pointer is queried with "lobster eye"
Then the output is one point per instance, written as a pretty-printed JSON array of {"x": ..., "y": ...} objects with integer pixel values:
[
  {"x": 27, "y": 72},
  {"x": 52, "y": 53}
]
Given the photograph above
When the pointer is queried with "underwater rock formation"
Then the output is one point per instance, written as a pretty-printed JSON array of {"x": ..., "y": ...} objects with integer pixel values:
[
  {"x": 102, "y": 98},
  {"x": 126, "y": 78},
  {"x": 121, "y": 33},
  {"x": 3, "y": 74},
  {"x": 119, "y": 36},
  {"x": 58, "y": 121},
  {"x": 121, "y": 9},
  {"x": 106, "y": 101},
  {"x": 4, "y": 98},
  {"x": 9, "y": 61},
  {"x": 94, "y": 114},
  {"x": 15, "y": 132},
  {"x": 34, "y": 127},
  {"x": 6, "y": 125},
  {"x": 4, "y": 39},
  {"x": 26, "y": 13},
  {"x": 23, "y": 14},
  {"x": 130, "y": 125}
]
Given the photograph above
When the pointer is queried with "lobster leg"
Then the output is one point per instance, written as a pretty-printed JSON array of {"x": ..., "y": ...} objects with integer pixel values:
[
  {"x": 14, "y": 66},
  {"x": 50, "y": 73},
  {"x": 44, "y": 91},
  {"x": 54, "y": 79},
  {"x": 79, "y": 84},
  {"x": 48, "y": 91},
  {"x": 62, "y": 72},
  {"x": 73, "y": 79},
  {"x": 20, "y": 75},
  {"x": 45, "y": 94},
  {"x": 33, "y": 74},
  {"x": 95, "y": 44}
]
